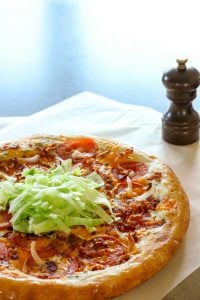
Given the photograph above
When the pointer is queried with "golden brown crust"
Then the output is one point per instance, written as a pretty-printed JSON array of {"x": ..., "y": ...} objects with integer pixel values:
[{"x": 157, "y": 248}]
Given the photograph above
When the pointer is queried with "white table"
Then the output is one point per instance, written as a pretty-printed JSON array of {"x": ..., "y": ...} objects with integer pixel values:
[{"x": 139, "y": 126}]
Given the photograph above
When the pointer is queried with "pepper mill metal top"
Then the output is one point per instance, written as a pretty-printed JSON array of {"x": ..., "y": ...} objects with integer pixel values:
[{"x": 180, "y": 124}]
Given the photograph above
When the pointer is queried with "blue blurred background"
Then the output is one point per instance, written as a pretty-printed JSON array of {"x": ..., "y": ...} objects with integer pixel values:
[{"x": 53, "y": 49}]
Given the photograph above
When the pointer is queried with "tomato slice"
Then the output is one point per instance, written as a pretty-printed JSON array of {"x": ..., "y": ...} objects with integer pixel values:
[{"x": 82, "y": 144}]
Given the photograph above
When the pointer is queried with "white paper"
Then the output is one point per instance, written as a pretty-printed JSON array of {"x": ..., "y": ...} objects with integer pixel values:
[{"x": 90, "y": 114}]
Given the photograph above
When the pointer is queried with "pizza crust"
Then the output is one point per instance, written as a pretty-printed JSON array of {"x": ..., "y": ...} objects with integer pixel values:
[{"x": 112, "y": 281}]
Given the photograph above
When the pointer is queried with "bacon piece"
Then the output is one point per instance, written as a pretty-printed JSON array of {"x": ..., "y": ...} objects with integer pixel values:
[
  {"x": 3, "y": 251},
  {"x": 167, "y": 204},
  {"x": 73, "y": 266},
  {"x": 139, "y": 168},
  {"x": 103, "y": 251},
  {"x": 20, "y": 240},
  {"x": 156, "y": 176},
  {"x": 13, "y": 253},
  {"x": 131, "y": 169},
  {"x": 8, "y": 166},
  {"x": 44, "y": 245},
  {"x": 126, "y": 152},
  {"x": 5, "y": 217},
  {"x": 137, "y": 188},
  {"x": 119, "y": 173},
  {"x": 74, "y": 241},
  {"x": 134, "y": 215}
]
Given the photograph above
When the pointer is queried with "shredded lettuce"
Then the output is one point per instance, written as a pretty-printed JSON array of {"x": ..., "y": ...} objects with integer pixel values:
[{"x": 55, "y": 200}]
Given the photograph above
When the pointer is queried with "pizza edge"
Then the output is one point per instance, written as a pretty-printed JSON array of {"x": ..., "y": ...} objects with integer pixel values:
[{"x": 112, "y": 281}]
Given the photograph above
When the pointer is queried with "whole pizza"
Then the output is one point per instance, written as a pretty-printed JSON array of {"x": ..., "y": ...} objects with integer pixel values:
[{"x": 84, "y": 218}]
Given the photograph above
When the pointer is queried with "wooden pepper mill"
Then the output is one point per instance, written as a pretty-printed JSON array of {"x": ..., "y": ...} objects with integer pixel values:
[{"x": 180, "y": 124}]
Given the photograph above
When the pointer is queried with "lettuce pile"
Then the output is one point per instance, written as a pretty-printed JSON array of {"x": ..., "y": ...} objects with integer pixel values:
[{"x": 55, "y": 200}]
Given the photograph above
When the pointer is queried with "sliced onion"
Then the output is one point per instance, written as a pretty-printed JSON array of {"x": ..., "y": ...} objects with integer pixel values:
[
  {"x": 103, "y": 170},
  {"x": 35, "y": 255},
  {"x": 129, "y": 185},
  {"x": 145, "y": 195},
  {"x": 5, "y": 225},
  {"x": 31, "y": 159},
  {"x": 77, "y": 154}
]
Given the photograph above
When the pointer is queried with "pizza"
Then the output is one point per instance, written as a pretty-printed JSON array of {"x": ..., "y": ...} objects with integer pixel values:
[{"x": 84, "y": 217}]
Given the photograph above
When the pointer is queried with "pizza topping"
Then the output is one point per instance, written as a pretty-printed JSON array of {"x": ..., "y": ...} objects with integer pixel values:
[
  {"x": 139, "y": 168},
  {"x": 145, "y": 195},
  {"x": 35, "y": 255},
  {"x": 13, "y": 253},
  {"x": 32, "y": 159},
  {"x": 5, "y": 219},
  {"x": 3, "y": 251},
  {"x": 51, "y": 266},
  {"x": 101, "y": 251},
  {"x": 74, "y": 265},
  {"x": 63, "y": 222},
  {"x": 80, "y": 155},
  {"x": 57, "y": 199},
  {"x": 81, "y": 144},
  {"x": 166, "y": 205}
]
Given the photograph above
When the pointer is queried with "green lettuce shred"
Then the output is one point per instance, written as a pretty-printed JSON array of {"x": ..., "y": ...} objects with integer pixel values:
[{"x": 55, "y": 200}]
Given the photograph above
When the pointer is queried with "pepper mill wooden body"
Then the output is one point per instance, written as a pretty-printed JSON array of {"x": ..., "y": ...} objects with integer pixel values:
[{"x": 180, "y": 124}]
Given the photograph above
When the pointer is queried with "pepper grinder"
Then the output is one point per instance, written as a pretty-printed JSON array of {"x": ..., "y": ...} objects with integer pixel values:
[{"x": 180, "y": 124}]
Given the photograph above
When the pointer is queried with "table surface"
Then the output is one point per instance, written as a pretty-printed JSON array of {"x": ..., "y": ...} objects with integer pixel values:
[
  {"x": 131, "y": 124},
  {"x": 53, "y": 49}
]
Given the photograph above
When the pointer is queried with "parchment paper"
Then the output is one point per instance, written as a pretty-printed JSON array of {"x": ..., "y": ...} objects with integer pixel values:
[{"x": 90, "y": 114}]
